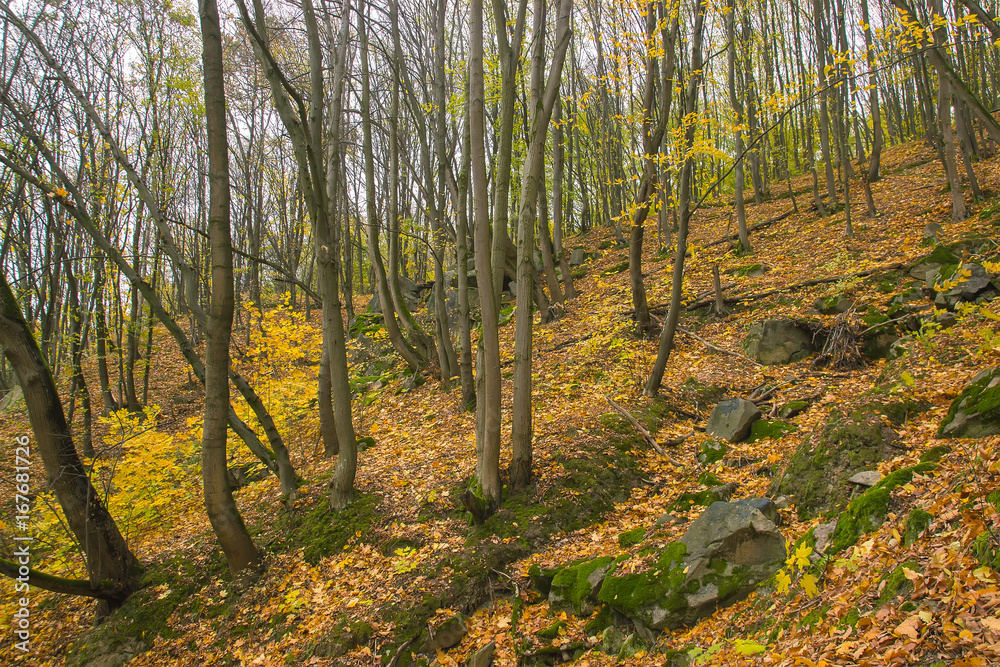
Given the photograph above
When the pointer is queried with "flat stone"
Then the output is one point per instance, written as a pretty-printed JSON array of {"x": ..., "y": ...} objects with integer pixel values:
[
  {"x": 866, "y": 478},
  {"x": 483, "y": 657},
  {"x": 732, "y": 419}
]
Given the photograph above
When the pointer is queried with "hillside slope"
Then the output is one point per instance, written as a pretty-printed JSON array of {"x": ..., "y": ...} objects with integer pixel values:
[{"x": 361, "y": 588}]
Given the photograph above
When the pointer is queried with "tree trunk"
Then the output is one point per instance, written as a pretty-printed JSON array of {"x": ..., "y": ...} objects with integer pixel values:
[
  {"x": 108, "y": 556},
  {"x": 241, "y": 554},
  {"x": 485, "y": 492},
  {"x": 673, "y": 315},
  {"x": 541, "y": 103}
]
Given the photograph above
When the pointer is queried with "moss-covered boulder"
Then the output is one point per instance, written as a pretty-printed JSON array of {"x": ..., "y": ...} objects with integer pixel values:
[
  {"x": 775, "y": 430},
  {"x": 940, "y": 256},
  {"x": 712, "y": 451},
  {"x": 817, "y": 474},
  {"x": 975, "y": 413},
  {"x": 723, "y": 555},
  {"x": 867, "y": 512},
  {"x": 778, "y": 342},
  {"x": 575, "y": 586}
]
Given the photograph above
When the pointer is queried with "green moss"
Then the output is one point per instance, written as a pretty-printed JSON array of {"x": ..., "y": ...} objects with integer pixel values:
[
  {"x": 614, "y": 422},
  {"x": 617, "y": 268},
  {"x": 986, "y": 549},
  {"x": 763, "y": 429},
  {"x": 631, "y": 537},
  {"x": 323, "y": 532},
  {"x": 940, "y": 255},
  {"x": 900, "y": 411},
  {"x": 690, "y": 499},
  {"x": 867, "y": 512},
  {"x": 817, "y": 472},
  {"x": 792, "y": 408},
  {"x": 712, "y": 451},
  {"x": 703, "y": 393},
  {"x": 917, "y": 522},
  {"x": 896, "y": 583},
  {"x": 600, "y": 622},
  {"x": 552, "y": 631},
  {"x": 708, "y": 478},
  {"x": 571, "y": 587},
  {"x": 981, "y": 403},
  {"x": 635, "y": 594},
  {"x": 814, "y": 617},
  {"x": 850, "y": 619},
  {"x": 934, "y": 454},
  {"x": 169, "y": 587}
]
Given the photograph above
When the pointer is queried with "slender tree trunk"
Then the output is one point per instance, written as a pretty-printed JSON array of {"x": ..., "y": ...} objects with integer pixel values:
[
  {"x": 241, "y": 554},
  {"x": 673, "y": 315},
  {"x": 484, "y": 496},
  {"x": 541, "y": 103}
]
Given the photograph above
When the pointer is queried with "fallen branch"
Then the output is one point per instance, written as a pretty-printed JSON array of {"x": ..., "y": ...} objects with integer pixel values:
[
  {"x": 103, "y": 591},
  {"x": 695, "y": 305},
  {"x": 646, "y": 435},
  {"x": 716, "y": 348},
  {"x": 753, "y": 228}
]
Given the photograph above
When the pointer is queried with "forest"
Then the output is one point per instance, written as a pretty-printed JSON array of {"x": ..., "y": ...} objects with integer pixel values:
[{"x": 729, "y": 394}]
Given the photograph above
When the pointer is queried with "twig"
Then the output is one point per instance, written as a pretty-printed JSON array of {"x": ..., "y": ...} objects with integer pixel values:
[
  {"x": 646, "y": 435},
  {"x": 738, "y": 355}
]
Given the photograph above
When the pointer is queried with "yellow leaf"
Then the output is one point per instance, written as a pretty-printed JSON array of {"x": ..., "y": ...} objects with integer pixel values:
[
  {"x": 809, "y": 585},
  {"x": 783, "y": 581}
]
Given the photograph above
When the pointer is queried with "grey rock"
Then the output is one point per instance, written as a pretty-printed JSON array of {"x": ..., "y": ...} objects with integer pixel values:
[
  {"x": 946, "y": 320},
  {"x": 967, "y": 288},
  {"x": 577, "y": 257},
  {"x": 765, "y": 506},
  {"x": 483, "y": 657},
  {"x": 932, "y": 230},
  {"x": 782, "y": 502},
  {"x": 833, "y": 306},
  {"x": 777, "y": 342},
  {"x": 824, "y": 535},
  {"x": 732, "y": 418},
  {"x": 411, "y": 296},
  {"x": 447, "y": 634},
  {"x": 611, "y": 641},
  {"x": 865, "y": 478},
  {"x": 975, "y": 413}
]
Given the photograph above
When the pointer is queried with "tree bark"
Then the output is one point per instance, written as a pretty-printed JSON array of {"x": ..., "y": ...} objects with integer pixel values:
[
  {"x": 108, "y": 556},
  {"x": 241, "y": 554}
]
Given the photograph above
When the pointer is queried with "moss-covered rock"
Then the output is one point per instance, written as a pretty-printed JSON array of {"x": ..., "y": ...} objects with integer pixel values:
[
  {"x": 792, "y": 408},
  {"x": 601, "y": 620},
  {"x": 975, "y": 413},
  {"x": 708, "y": 478},
  {"x": 723, "y": 554},
  {"x": 900, "y": 411},
  {"x": 575, "y": 586},
  {"x": 817, "y": 473},
  {"x": 651, "y": 595},
  {"x": 917, "y": 523},
  {"x": 896, "y": 583},
  {"x": 867, "y": 512},
  {"x": 774, "y": 430},
  {"x": 778, "y": 342},
  {"x": 712, "y": 451},
  {"x": 631, "y": 537}
]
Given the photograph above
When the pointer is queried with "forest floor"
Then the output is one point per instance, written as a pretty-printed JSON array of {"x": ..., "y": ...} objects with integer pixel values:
[{"x": 347, "y": 589}]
